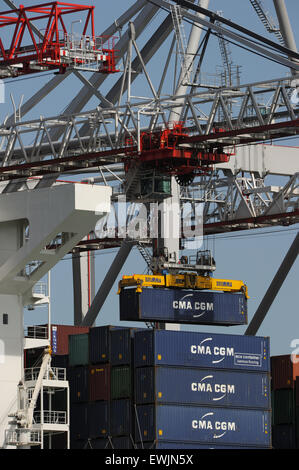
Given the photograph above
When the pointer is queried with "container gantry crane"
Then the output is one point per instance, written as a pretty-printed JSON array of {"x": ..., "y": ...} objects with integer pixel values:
[{"x": 127, "y": 137}]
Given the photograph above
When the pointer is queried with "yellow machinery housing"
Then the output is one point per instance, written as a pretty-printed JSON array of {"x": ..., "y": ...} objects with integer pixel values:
[{"x": 182, "y": 281}]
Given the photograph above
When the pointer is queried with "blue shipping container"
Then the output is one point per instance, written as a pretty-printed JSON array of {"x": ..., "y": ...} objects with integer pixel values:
[
  {"x": 78, "y": 381},
  {"x": 121, "y": 417},
  {"x": 202, "y": 387},
  {"x": 79, "y": 428},
  {"x": 183, "y": 445},
  {"x": 98, "y": 419},
  {"x": 206, "y": 425},
  {"x": 206, "y": 350},
  {"x": 183, "y": 306},
  {"x": 110, "y": 344}
]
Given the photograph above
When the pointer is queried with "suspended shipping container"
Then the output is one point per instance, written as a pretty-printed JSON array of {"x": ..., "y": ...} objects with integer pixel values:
[
  {"x": 183, "y": 306},
  {"x": 206, "y": 350}
]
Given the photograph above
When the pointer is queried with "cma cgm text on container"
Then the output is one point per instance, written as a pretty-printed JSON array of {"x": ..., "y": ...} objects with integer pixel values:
[
  {"x": 183, "y": 306},
  {"x": 183, "y": 385},
  {"x": 192, "y": 349},
  {"x": 205, "y": 424}
]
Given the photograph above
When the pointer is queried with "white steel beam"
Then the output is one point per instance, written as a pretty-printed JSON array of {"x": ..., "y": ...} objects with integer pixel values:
[
  {"x": 263, "y": 160},
  {"x": 65, "y": 210}
]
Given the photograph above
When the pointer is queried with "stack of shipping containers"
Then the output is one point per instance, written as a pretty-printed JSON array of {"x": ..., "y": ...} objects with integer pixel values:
[
  {"x": 285, "y": 401},
  {"x": 100, "y": 375},
  {"x": 197, "y": 390}
]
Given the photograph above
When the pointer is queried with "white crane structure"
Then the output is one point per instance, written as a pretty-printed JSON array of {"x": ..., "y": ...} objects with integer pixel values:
[{"x": 222, "y": 158}]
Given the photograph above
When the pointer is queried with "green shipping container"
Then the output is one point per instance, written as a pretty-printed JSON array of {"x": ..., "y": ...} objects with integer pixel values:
[
  {"x": 78, "y": 350},
  {"x": 121, "y": 382},
  {"x": 284, "y": 410}
]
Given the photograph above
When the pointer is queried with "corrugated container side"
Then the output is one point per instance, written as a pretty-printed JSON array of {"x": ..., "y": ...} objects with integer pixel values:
[
  {"x": 183, "y": 306},
  {"x": 120, "y": 348},
  {"x": 78, "y": 350},
  {"x": 79, "y": 428},
  {"x": 284, "y": 406},
  {"x": 78, "y": 384},
  {"x": 100, "y": 344},
  {"x": 196, "y": 386},
  {"x": 121, "y": 382},
  {"x": 205, "y": 425},
  {"x": 186, "y": 445},
  {"x": 99, "y": 382},
  {"x": 284, "y": 436},
  {"x": 284, "y": 370},
  {"x": 206, "y": 350},
  {"x": 99, "y": 350},
  {"x": 98, "y": 419},
  {"x": 121, "y": 417}
]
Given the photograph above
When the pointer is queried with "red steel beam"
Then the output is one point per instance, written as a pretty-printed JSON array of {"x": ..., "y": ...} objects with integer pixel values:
[
  {"x": 51, "y": 14},
  {"x": 215, "y": 136}
]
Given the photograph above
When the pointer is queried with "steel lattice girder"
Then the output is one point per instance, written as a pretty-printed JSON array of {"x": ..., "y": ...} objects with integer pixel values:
[
  {"x": 230, "y": 204},
  {"x": 103, "y": 145}
]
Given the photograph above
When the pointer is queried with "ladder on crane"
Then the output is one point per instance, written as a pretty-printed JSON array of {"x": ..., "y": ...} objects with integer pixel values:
[
  {"x": 145, "y": 254},
  {"x": 267, "y": 20},
  {"x": 179, "y": 30}
]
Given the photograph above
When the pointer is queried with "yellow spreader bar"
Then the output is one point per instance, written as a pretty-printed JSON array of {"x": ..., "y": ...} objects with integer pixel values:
[{"x": 182, "y": 281}]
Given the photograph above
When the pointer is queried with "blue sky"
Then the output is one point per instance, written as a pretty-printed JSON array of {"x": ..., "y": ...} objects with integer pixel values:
[{"x": 252, "y": 256}]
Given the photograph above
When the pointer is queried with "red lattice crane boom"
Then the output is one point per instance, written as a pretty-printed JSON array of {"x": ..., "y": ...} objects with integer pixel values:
[{"x": 50, "y": 45}]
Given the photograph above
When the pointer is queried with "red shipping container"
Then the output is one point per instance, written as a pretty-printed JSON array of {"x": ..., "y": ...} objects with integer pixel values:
[
  {"x": 284, "y": 370},
  {"x": 99, "y": 382}
]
